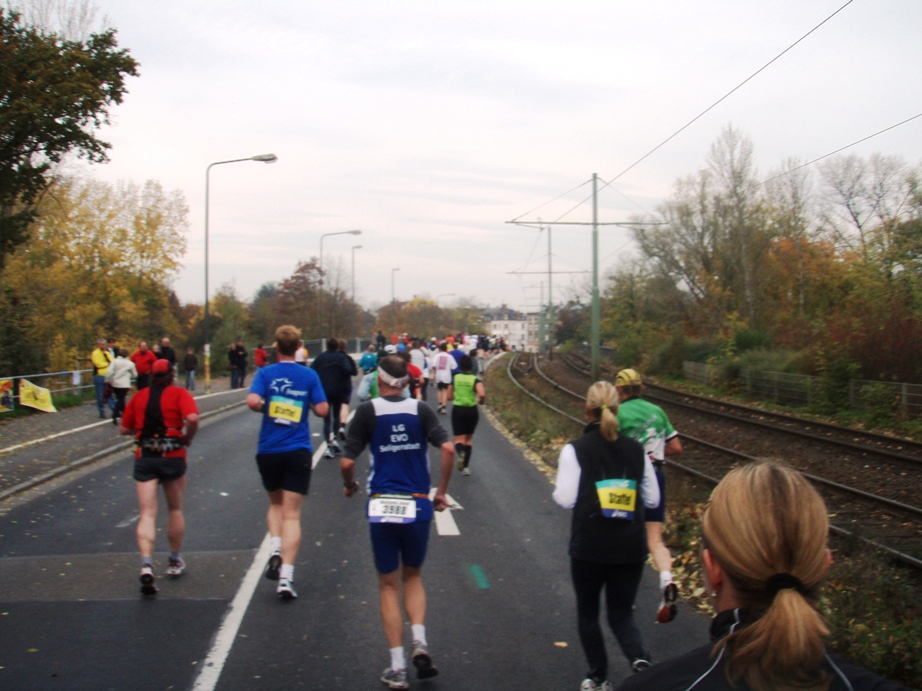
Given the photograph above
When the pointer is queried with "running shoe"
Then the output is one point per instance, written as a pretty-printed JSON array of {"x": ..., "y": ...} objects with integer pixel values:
[
  {"x": 273, "y": 566},
  {"x": 286, "y": 590},
  {"x": 639, "y": 665},
  {"x": 334, "y": 445},
  {"x": 329, "y": 453},
  {"x": 342, "y": 433},
  {"x": 395, "y": 678},
  {"x": 459, "y": 464},
  {"x": 590, "y": 684},
  {"x": 423, "y": 661},
  {"x": 147, "y": 581},
  {"x": 667, "y": 607},
  {"x": 176, "y": 567},
  {"x": 466, "y": 471}
]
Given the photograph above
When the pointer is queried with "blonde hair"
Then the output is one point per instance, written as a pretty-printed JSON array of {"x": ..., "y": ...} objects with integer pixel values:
[
  {"x": 288, "y": 339},
  {"x": 764, "y": 519},
  {"x": 602, "y": 400}
]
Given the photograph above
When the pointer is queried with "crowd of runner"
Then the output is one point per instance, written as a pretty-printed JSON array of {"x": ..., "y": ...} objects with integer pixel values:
[{"x": 611, "y": 478}]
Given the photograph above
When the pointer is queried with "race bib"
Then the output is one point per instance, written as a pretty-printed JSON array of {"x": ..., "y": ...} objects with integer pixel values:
[
  {"x": 392, "y": 508},
  {"x": 285, "y": 411},
  {"x": 618, "y": 498}
]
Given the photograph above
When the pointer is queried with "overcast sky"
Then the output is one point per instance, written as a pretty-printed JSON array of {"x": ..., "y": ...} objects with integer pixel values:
[{"x": 428, "y": 125}]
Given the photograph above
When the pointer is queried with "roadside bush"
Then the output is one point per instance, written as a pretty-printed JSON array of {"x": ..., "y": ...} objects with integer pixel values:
[
  {"x": 697, "y": 350},
  {"x": 749, "y": 339},
  {"x": 879, "y": 403},
  {"x": 835, "y": 385}
]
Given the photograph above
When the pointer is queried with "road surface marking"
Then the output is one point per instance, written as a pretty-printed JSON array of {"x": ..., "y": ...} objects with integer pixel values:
[
  {"x": 214, "y": 663},
  {"x": 479, "y": 577},
  {"x": 128, "y": 521}
]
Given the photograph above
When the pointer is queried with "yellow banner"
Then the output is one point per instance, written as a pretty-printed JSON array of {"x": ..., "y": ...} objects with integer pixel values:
[
  {"x": 6, "y": 395},
  {"x": 35, "y": 397}
]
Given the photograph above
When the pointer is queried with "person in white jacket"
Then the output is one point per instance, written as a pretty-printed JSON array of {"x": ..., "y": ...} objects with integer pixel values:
[{"x": 119, "y": 376}]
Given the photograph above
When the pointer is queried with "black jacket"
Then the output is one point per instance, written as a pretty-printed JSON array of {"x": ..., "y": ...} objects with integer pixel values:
[
  {"x": 697, "y": 671},
  {"x": 593, "y": 536},
  {"x": 335, "y": 370}
]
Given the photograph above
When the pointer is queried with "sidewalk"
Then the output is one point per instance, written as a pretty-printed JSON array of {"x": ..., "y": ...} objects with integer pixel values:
[{"x": 22, "y": 462}]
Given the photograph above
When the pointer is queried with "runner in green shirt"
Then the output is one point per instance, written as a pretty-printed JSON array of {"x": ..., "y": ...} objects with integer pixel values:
[
  {"x": 466, "y": 391},
  {"x": 648, "y": 424}
]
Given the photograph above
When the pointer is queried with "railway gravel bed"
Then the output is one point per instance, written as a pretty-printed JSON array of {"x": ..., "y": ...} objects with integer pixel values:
[{"x": 722, "y": 440}]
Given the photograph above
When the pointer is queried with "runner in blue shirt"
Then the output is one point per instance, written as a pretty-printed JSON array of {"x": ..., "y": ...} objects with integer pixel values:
[
  {"x": 400, "y": 511},
  {"x": 283, "y": 392}
]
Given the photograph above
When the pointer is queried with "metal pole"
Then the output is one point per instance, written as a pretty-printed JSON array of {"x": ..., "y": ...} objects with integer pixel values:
[
  {"x": 549, "y": 323},
  {"x": 320, "y": 295},
  {"x": 596, "y": 334},
  {"x": 355, "y": 334},
  {"x": 262, "y": 158},
  {"x": 541, "y": 321}
]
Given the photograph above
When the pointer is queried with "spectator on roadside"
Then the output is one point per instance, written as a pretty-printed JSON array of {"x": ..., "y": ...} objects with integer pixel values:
[
  {"x": 260, "y": 357},
  {"x": 100, "y": 358},
  {"x": 167, "y": 352},
  {"x": 143, "y": 360},
  {"x": 190, "y": 365},
  {"x": 113, "y": 347},
  {"x": 380, "y": 341},
  {"x": 119, "y": 378},
  {"x": 238, "y": 361}
]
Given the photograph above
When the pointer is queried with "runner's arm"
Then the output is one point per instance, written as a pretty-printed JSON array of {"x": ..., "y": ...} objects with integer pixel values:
[
  {"x": 568, "y": 475},
  {"x": 347, "y": 468},
  {"x": 481, "y": 393},
  {"x": 191, "y": 428},
  {"x": 673, "y": 446},
  {"x": 255, "y": 402},
  {"x": 440, "y": 501},
  {"x": 649, "y": 486}
]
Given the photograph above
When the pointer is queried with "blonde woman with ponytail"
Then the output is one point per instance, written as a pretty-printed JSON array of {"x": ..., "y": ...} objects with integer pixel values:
[
  {"x": 606, "y": 478},
  {"x": 765, "y": 557}
]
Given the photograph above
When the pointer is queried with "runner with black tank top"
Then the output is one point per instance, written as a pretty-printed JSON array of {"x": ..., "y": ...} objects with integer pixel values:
[
  {"x": 164, "y": 419},
  {"x": 466, "y": 392},
  {"x": 605, "y": 478}
]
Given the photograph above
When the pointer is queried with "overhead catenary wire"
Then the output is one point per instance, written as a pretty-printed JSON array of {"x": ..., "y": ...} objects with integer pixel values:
[{"x": 702, "y": 113}]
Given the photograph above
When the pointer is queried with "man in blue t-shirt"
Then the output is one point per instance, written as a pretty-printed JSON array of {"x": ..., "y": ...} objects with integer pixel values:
[
  {"x": 283, "y": 392},
  {"x": 397, "y": 431}
]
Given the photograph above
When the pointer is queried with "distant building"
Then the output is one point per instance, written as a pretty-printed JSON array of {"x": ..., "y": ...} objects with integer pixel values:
[{"x": 510, "y": 325}]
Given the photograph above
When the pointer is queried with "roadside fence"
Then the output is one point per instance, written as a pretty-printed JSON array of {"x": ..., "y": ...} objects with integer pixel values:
[{"x": 802, "y": 390}]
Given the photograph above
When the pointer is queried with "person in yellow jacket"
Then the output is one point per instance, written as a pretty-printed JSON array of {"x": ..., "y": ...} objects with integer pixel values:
[{"x": 101, "y": 357}]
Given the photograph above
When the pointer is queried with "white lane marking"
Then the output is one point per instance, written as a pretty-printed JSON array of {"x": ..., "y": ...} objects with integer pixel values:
[
  {"x": 444, "y": 522},
  {"x": 128, "y": 521},
  {"x": 214, "y": 663},
  {"x": 90, "y": 426},
  {"x": 318, "y": 454}
]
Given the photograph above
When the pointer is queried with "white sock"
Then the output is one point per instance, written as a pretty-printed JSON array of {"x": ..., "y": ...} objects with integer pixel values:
[
  {"x": 275, "y": 544},
  {"x": 287, "y": 571},
  {"x": 398, "y": 661},
  {"x": 665, "y": 578},
  {"x": 419, "y": 633}
]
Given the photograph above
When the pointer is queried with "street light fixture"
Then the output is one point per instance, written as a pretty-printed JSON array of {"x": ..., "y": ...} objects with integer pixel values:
[
  {"x": 355, "y": 334},
  {"x": 320, "y": 309},
  {"x": 262, "y": 158}
]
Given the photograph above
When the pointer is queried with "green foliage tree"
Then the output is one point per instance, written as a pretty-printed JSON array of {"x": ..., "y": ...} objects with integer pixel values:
[{"x": 54, "y": 92}]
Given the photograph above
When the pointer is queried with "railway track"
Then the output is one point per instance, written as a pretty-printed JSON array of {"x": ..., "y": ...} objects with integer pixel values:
[{"x": 856, "y": 509}]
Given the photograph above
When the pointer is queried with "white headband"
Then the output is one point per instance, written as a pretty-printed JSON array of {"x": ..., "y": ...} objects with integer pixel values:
[{"x": 397, "y": 383}]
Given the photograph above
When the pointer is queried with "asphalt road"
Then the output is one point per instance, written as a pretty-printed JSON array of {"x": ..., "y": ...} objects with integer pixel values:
[{"x": 501, "y": 611}]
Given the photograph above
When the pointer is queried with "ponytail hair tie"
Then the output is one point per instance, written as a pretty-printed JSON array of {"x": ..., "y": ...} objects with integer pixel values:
[
  {"x": 603, "y": 407},
  {"x": 784, "y": 581}
]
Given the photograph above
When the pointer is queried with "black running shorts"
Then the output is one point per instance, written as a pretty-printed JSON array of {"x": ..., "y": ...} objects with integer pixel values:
[
  {"x": 160, "y": 469},
  {"x": 441, "y": 386},
  {"x": 464, "y": 420},
  {"x": 289, "y": 470}
]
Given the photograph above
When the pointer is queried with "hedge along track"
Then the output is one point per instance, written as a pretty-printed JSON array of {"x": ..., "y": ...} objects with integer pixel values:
[{"x": 884, "y": 523}]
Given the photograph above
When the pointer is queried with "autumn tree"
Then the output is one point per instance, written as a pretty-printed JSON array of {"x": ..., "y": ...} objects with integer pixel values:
[
  {"x": 54, "y": 93},
  {"x": 99, "y": 261}
]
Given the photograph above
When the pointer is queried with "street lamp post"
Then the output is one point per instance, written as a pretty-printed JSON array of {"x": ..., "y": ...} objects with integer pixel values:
[
  {"x": 320, "y": 308},
  {"x": 394, "y": 298},
  {"x": 262, "y": 158},
  {"x": 355, "y": 334}
]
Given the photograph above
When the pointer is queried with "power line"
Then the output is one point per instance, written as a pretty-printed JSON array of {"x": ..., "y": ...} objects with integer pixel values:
[
  {"x": 702, "y": 113},
  {"x": 726, "y": 96},
  {"x": 839, "y": 150}
]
